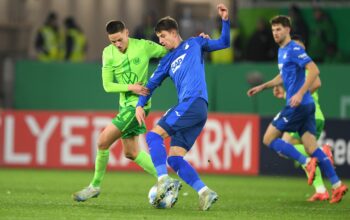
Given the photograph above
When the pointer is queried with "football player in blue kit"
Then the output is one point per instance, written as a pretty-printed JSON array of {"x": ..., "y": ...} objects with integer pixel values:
[
  {"x": 184, "y": 64},
  {"x": 299, "y": 113}
]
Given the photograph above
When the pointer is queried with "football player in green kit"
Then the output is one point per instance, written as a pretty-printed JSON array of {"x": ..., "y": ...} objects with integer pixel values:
[
  {"x": 321, "y": 193},
  {"x": 124, "y": 71}
]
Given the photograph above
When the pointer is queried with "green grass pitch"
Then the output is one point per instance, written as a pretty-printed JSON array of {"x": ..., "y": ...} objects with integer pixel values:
[{"x": 46, "y": 194}]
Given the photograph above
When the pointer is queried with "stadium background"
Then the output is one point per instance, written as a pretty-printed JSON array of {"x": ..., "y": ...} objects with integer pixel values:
[{"x": 51, "y": 113}]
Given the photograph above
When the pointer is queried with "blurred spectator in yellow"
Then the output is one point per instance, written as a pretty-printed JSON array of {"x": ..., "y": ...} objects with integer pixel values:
[
  {"x": 323, "y": 35},
  {"x": 47, "y": 39},
  {"x": 224, "y": 55},
  {"x": 74, "y": 41},
  {"x": 146, "y": 29},
  {"x": 261, "y": 46},
  {"x": 299, "y": 26}
]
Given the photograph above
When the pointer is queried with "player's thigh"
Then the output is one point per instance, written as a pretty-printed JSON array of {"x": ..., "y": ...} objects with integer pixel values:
[
  {"x": 186, "y": 137},
  {"x": 271, "y": 134},
  {"x": 184, "y": 115},
  {"x": 309, "y": 142},
  {"x": 108, "y": 136},
  {"x": 131, "y": 147},
  {"x": 291, "y": 137}
]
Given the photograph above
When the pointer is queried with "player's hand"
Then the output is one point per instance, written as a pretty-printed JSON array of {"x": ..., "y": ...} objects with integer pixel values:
[
  {"x": 255, "y": 90},
  {"x": 295, "y": 100},
  {"x": 204, "y": 35},
  {"x": 222, "y": 11},
  {"x": 138, "y": 89},
  {"x": 140, "y": 115},
  {"x": 278, "y": 91}
]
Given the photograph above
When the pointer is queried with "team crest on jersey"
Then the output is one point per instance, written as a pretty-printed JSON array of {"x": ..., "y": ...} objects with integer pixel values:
[
  {"x": 296, "y": 48},
  {"x": 175, "y": 65},
  {"x": 136, "y": 60},
  {"x": 285, "y": 56}
]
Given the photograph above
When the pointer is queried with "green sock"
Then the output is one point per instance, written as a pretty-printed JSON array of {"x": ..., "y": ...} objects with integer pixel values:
[
  {"x": 101, "y": 162},
  {"x": 318, "y": 176},
  {"x": 144, "y": 160}
]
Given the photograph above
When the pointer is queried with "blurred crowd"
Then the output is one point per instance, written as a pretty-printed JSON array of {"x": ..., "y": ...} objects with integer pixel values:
[
  {"x": 70, "y": 44},
  {"x": 55, "y": 44}
]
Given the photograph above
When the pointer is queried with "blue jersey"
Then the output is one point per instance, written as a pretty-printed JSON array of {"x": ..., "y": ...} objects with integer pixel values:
[
  {"x": 292, "y": 60},
  {"x": 185, "y": 66}
]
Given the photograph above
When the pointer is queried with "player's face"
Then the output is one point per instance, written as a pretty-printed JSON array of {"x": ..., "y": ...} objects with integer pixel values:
[
  {"x": 167, "y": 39},
  {"x": 120, "y": 40},
  {"x": 280, "y": 33}
]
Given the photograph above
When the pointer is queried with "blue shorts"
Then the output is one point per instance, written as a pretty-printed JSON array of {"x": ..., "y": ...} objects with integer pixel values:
[
  {"x": 185, "y": 121},
  {"x": 299, "y": 119}
]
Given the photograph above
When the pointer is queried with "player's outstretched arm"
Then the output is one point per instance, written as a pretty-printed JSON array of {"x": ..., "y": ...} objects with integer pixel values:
[
  {"x": 224, "y": 40},
  {"x": 274, "y": 82}
]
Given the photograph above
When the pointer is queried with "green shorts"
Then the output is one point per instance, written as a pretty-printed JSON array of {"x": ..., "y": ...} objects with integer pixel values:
[
  {"x": 127, "y": 123},
  {"x": 319, "y": 129}
]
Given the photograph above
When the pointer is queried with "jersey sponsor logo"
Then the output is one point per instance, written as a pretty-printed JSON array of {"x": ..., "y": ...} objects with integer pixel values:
[
  {"x": 130, "y": 77},
  {"x": 296, "y": 48},
  {"x": 176, "y": 64}
]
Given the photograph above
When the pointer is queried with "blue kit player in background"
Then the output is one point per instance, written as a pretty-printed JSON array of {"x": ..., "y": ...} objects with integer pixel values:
[
  {"x": 184, "y": 64},
  {"x": 299, "y": 113}
]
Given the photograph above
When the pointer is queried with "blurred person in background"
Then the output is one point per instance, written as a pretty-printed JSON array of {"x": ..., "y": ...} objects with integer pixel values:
[
  {"x": 299, "y": 26},
  {"x": 47, "y": 42},
  {"x": 74, "y": 41},
  {"x": 323, "y": 35},
  {"x": 261, "y": 46},
  {"x": 146, "y": 29},
  {"x": 124, "y": 71}
]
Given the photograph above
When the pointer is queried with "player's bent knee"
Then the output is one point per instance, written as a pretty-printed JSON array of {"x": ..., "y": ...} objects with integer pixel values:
[
  {"x": 130, "y": 155},
  {"x": 102, "y": 146}
]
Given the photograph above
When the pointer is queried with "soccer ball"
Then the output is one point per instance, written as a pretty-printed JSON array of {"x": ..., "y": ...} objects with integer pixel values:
[{"x": 165, "y": 203}]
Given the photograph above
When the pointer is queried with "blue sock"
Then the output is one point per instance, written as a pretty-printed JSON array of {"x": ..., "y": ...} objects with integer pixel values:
[
  {"x": 288, "y": 150},
  {"x": 186, "y": 172},
  {"x": 325, "y": 165},
  {"x": 157, "y": 151}
]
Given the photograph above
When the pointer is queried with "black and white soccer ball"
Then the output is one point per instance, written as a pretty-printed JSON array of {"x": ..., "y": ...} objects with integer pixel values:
[{"x": 165, "y": 203}]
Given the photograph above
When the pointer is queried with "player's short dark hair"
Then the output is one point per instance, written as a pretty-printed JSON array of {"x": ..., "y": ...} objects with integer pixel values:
[
  {"x": 113, "y": 27},
  {"x": 285, "y": 21},
  {"x": 166, "y": 24},
  {"x": 298, "y": 38}
]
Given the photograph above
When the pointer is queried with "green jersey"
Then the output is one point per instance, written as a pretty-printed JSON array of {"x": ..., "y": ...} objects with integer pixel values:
[
  {"x": 121, "y": 69},
  {"x": 318, "y": 112}
]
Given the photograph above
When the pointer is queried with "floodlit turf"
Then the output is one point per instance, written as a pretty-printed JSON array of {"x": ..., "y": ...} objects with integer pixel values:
[{"x": 46, "y": 194}]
